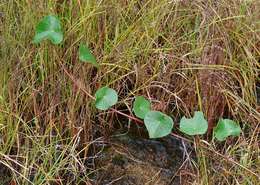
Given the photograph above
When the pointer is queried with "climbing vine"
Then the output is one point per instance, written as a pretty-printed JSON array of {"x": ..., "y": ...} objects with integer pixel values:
[{"x": 158, "y": 124}]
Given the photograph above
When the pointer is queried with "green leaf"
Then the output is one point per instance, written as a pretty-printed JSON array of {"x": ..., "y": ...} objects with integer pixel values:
[
  {"x": 225, "y": 128},
  {"x": 105, "y": 98},
  {"x": 194, "y": 126},
  {"x": 85, "y": 55},
  {"x": 49, "y": 28},
  {"x": 141, "y": 106},
  {"x": 158, "y": 124}
]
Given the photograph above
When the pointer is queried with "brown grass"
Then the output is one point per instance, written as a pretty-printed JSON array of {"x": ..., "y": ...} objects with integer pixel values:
[{"x": 184, "y": 56}]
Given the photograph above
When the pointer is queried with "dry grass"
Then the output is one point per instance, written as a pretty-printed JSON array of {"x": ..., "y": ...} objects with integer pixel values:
[{"x": 183, "y": 55}]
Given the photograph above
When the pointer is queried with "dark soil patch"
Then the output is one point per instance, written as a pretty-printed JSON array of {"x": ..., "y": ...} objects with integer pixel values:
[
  {"x": 130, "y": 160},
  {"x": 5, "y": 175}
]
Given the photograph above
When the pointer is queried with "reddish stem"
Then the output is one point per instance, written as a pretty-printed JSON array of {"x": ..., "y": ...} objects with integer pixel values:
[
  {"x": 128, "y": 116},
  {"x": 117, "y": 111}
]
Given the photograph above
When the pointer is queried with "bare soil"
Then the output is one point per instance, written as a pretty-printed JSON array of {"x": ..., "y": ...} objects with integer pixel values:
[
  {"x": 5, "y": 175},
  {"x": 130, "y": 160}
]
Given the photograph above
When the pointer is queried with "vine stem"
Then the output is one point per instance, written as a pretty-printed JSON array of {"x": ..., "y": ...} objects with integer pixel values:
[
  {"x": 141, "y": 122},
  {"x": 114, "y": 110},
  {"x": 128, "y": 116}
]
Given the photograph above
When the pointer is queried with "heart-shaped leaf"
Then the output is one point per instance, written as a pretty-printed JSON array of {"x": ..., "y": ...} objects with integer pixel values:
[
  {"x": 49, "y": 28},
  {"x": 158, "y": 124},
  {"x": 85, "y": 55},
  {"x": 105, "y": 98},
  {"x": 225, "y": 128},
  {"x": 194, "y": 126},
  {"x": 141, "y": 106}
]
